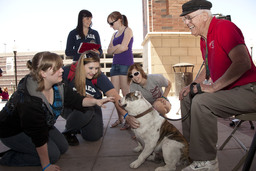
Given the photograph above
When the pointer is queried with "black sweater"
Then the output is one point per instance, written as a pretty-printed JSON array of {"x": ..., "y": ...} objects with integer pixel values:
[{"x": 34, "y": 117}]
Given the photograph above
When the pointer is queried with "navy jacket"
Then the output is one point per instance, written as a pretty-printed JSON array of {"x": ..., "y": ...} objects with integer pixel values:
[{"x": 74, "y": 40}]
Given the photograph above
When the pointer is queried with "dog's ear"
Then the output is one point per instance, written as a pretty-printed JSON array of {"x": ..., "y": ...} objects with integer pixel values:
[{"x": 138, "y": 94}]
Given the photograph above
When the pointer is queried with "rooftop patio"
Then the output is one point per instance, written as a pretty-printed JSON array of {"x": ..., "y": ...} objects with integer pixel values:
[{"x": 114, "y": 151}]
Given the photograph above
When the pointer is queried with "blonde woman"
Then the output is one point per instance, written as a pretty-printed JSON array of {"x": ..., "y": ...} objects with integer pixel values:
[{"x": 88, "y": 80}]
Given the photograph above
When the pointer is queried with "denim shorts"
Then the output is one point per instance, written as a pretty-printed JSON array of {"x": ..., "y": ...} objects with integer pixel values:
[{"x": 117, "y": 69}]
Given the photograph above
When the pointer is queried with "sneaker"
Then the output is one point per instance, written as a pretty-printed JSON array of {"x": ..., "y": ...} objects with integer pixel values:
[
  {"x": 203, "y": 166},
  {"x": 71, "y": 138},
  {"x": 3, "y": 153}
]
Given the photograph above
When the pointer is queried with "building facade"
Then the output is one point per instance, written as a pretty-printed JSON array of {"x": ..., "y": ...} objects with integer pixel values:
[{"x": 167, "y": 40}]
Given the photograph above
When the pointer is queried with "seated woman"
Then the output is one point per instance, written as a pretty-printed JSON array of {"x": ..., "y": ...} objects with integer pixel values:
[
  {"x": 29, "y": 131},
  {"x": 151, "y": 87},
  {"x": 87, "y": 79}
]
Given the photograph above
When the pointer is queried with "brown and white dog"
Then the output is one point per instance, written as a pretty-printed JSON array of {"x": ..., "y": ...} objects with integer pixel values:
[{"x": 155, "y": 134}]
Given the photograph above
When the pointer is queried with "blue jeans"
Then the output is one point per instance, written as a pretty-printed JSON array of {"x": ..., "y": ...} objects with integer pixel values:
[
  {"x": 23, "y": 151},
  {"x": 117, "y": 69}
]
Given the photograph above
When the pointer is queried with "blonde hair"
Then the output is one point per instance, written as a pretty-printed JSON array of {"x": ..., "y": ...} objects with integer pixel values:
[
  {"x": 42, "y": 61},
  {"x": 80, "y": 79}
]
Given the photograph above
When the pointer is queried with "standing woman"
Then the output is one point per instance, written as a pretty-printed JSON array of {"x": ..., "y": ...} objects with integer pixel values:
[
  {"x": 120, "y": 47},
  {"x": 29, "y": 131},
  {"x": 82, "y": 33}
]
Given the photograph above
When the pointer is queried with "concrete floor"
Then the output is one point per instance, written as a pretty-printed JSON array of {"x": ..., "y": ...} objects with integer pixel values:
[{"x": 114, "y": 151}]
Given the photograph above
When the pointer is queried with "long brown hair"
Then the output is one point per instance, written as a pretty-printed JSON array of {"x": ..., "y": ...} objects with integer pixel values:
[
  {"x": 79, "y": 27},
  {"x": 80, "y": 79},
  {"x": 42, "y": 61}
]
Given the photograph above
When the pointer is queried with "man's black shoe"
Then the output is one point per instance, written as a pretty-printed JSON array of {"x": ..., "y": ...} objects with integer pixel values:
[{"x": 71, "y": 138}]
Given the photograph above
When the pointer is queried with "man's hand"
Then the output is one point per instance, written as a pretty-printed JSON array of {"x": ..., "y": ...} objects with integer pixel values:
[
  {"x": 207, "y": 88},
  {"x": 184, "y": 92}
]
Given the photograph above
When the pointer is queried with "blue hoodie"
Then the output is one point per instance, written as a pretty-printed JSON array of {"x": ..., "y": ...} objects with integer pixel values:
[{"x": 74, "y": 40}]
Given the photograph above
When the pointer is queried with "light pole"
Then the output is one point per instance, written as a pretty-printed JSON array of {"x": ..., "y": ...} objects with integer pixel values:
[
  {"x": 251, "y": 50},
  {"x": 4, "y": 47},
  {"x": 15, "y": 64}
]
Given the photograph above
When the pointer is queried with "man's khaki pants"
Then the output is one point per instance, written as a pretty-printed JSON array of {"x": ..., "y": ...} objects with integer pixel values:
[{"x": 200, "y": 128}]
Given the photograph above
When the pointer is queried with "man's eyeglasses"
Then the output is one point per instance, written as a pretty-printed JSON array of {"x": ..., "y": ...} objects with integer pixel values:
[
  {"x": 134, "y": 74},
  {"x": 112, "y": 22},
  {"x": 189, "y": 18}
]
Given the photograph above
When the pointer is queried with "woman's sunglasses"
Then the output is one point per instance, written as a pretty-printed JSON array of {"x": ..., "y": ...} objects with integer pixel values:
[
  {"x": 112, "y": 22},
  {"x": 134, "y": 74}
]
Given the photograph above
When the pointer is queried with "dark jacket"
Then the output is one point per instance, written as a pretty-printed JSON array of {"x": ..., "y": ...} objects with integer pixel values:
[
  {"x": 74, "y": 40},
  {"x": 33, "y": 114}
]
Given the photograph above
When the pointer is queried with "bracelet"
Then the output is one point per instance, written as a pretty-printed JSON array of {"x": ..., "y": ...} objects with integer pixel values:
[
  {"x": 125, "y": 115},
  {"x": 165, "y": 98},
  {"x": 46, "y": 166}
]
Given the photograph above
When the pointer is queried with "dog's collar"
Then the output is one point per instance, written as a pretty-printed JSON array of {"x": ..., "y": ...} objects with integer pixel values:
[{"x": 144, "y": 113}]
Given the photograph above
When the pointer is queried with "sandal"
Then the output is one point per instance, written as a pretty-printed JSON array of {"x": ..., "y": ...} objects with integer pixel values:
[
  {"x": 125, "y": 126},
  {"x": 115, "y": 124}
]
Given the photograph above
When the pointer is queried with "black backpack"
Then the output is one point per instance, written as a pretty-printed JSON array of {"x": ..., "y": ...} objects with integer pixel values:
[
  {"x": 8, "y": 115},
  {"x": 11, "y": 106}
]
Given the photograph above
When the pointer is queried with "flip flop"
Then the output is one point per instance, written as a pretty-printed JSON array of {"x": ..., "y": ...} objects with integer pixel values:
[
  {"x": 125, "y": 126},
  {"x": 115, "y": 124}
]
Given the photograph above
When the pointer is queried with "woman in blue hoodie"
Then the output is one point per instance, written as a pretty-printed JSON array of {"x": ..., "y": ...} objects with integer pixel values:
[{"x": 83, "y": 33}]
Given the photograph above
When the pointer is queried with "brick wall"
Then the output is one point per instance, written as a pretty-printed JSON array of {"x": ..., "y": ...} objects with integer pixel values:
[
  {"x": 163, "y": 15},
  {"x": 167, "y": 40}
]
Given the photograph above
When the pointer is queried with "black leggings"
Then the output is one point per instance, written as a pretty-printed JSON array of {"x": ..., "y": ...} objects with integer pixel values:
[{"x": 88, "y": 123}]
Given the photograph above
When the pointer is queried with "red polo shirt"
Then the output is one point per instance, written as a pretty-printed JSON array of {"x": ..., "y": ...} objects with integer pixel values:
[{"x": 222, "y": 37}]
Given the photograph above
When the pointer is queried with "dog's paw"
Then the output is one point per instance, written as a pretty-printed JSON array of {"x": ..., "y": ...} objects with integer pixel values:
[
  {"x": 137, "y": 149},
  {"x": 164, "y": 168},
  {"x": 135, "y": 164}
]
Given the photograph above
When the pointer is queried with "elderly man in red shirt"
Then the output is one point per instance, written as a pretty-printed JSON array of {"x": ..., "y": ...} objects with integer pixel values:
[{"x": 225, "y": 87}]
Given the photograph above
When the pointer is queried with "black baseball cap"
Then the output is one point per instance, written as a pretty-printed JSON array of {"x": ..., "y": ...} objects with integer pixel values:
[{"x": 194, "y": 5}]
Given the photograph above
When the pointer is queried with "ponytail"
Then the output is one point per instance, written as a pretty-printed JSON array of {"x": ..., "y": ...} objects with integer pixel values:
[{"x": 124, "y": 21}]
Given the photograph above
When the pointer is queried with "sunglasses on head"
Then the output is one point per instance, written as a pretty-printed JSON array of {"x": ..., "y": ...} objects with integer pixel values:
[
  {"x": 112, "y": 22},
  {"x": 134, "y": 74}
]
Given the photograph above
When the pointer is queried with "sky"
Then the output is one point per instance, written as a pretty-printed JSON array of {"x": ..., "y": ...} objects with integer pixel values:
[{"x": 38, "y": 25}]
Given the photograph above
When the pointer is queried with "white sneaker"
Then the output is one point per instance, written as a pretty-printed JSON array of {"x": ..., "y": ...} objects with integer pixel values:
[{"x": 203, "y": 166}]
